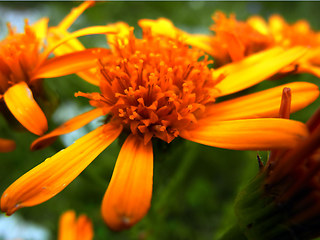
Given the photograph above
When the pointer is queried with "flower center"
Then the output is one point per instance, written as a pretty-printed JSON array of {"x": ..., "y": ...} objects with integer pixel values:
[
  {"x": 18, "y": 56},
  {"x": 154, "y": 86}
]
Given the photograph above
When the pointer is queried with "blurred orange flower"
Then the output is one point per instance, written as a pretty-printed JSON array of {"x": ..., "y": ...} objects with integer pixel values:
[
  {"x": 157, "y": 87},
  {"x": 24, "y": 64},
  {"x": 7, "y": 145},
  {"x": 233, "y": 40},
  {"x": 71, "y": 228}
]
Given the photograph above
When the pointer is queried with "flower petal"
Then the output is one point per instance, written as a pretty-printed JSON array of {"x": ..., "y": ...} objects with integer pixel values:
[
  {"x": 68, "y": 64},
  {"x": 84, "y": 228},
  {"x": 7, "y": 145},
  {"x": 67, "y": 226},
  {"x": 22, "y": 105},
  {"x": 164, "y": 27},
  {"x": 55, "y": 173},
  {"x": 73, "y": 45},
  {"x": 256, "y": 68},
  {"x": 41, "y": 29},
  {"x": 71, "y": 228},
  {"x": 263, "y": 104},
  {"x": 69, "y": 126},
  {"x": 74, "y": 14},
  {"x": 129, "y": 193},
  {"x": 248, "y": 134},
  {"x": 82, "y": 32}
]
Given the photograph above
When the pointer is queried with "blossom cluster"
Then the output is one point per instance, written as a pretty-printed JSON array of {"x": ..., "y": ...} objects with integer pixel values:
[{"x": 164, "y": 85}]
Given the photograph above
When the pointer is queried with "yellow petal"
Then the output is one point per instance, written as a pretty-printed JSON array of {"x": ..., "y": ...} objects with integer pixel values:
[
  {"x": 164, "y": 27},
  {"x": 69, "y": 126},
  {"x": 7, "y": 145},
  {"x": 128, "y": 196},
  {"x": 263, "y": 104},
  {"x": 21, "y": 104},
  {"x": 256, "y": 68},
  {"x": 41, "y": 28},
  {"x": 68, "y": 64},
  {"x": 259, "y": 24},
  {"x": 248, "y": 134},
  {"x": 55, "y": 173}
]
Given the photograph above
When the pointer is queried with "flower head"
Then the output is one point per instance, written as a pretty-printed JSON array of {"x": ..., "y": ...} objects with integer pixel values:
[
  {"x": 233, "y": 40},
  {"x": 159, "y": 87},
  {"x": 24, "y": 63}
]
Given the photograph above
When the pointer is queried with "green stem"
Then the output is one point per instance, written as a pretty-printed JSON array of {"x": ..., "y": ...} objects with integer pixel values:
[
  {"x": 177, "y": 179},
  {"x": 234, "y": 233}
]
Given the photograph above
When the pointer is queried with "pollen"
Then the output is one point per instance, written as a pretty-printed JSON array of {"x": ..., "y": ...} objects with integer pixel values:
[
  {"x": 154, "y": 86},
  {"x": 19, "y": 54}
]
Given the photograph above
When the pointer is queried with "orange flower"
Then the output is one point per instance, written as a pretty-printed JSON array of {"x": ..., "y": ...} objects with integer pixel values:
[
  {"x": 283, "y": 200},
  {"x": 71, "y": 228},
  {"x": 24, "y": 64},
  {"x": 158, "y": 87},
  {"x": 234, "y": 40},
  {"x": 7, "y": 145}
]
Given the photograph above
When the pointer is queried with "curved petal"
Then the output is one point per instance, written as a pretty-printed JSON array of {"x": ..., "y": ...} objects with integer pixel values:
[
  {"x": 7, "y": 145},
  {"x": 22, "y": 105},
  {"x": 71, "y": 46},
  {"x": 248, "y": 134},
  {"x": 256, "y": 68},
  {"x": 69, "y": 126},
  {"x": 82, "y": 32},
  {"x": 55, "y": 173},
  {"x": 263, "y": 104},
  {"x": 129, "y": 193},
  {"x": 68, "y": 64},
  {"x": 74, "y": 14},
  {"x": 71, "y": 228}
]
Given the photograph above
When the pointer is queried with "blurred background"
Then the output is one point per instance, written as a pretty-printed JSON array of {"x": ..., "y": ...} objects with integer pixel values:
[{"x": 194, "y": 185}]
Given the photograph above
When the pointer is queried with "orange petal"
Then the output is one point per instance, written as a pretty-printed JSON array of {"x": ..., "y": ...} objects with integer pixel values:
[
  {"x": 76, "y": 34},
  {"x": 84, "y": 228},
  {"x": 68, "y": 64},
  {"x": 309, "y": 68},
  {"x": 71, "y": 228},
  {"x": 7, "y": 145},
  {"x": 73, "y": 45},
  {"x": 129, "y": 193},
  {"x": 21, "y": 104},
  {"x": 74, "y": 14},
  {"x": 248, "y": 134},
  {"x": 263, "y": 104},
  {"x": 55, "y": 173},
  {"x": 67, "y": 226},
  {"x": 234, "y": 46},
  {"x": 69, "y": 126},
  {"x": 256, "y": 68}
]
